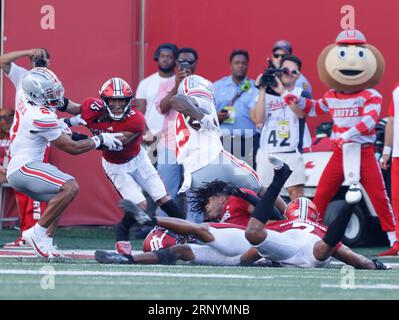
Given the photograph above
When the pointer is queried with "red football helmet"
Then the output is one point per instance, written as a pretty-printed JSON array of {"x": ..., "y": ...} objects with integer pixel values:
[
  {"x": 117, "y": 97},
  {"x": 302, "y": 208},
  {"x": 160, "y": 238}
]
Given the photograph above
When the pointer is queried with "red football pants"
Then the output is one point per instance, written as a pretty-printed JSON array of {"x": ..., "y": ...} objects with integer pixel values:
[
  {"x": 370, "y": 177},
  {"x": 29, "y": 209},
  {"x": 395, "y": 191}
]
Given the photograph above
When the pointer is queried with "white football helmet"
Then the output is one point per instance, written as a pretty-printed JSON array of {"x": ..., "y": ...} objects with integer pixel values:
[
  {"x": 194, "y": 83},
  {"x": 42, "y": 87}
]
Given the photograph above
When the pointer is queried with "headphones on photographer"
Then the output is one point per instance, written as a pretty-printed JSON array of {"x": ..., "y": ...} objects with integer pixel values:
[{"x": 169, "y": 46}]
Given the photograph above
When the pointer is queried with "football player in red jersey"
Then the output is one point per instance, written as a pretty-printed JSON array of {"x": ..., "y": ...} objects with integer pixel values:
[
  {"x": 298, "y": 241},
  {"x": 226, "y": 202},
  {"x": 129, "y": 169}
]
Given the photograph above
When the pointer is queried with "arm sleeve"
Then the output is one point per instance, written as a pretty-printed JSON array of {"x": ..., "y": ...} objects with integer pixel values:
[
  {"x": 45, "y": 125},
  {"x": 50, "y": 135},
  {"x": 203, "y": 98},
  {"x": 312, "y": 107},
  {"x": 16, "y": 74},
  {"x": 371, "y": 112},
  {"x": 91, "y": 109}
]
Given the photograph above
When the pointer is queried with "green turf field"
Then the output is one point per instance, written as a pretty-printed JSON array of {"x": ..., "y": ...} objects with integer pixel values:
[{"x": 21, "y": 278}]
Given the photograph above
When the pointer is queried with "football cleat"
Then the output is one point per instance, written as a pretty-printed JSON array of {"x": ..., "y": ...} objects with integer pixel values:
[
  {"x": 107, "y": 257},
  {"x": 134, "y": 211},
  {"x": 275, "y": 161},
  {"x": 394, "y": 251},
  {"x": 52, "y": 248},
  {"x": 123, "y": 247},
  {"x": 40, "y": 244},
  {"x": 379, "y": 265},
  {"x": 353, "y": 195},
  {"x": 17, "y": 244},
  {"x": 282, "y": 171}
]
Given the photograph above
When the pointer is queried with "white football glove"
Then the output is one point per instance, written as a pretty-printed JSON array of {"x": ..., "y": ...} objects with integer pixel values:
[
  {"x": 64, "y": 127},
  {"x": 75, "y": 121},
  {"x": 111, "y": 141},
  {"x": 208, "y": 122}
]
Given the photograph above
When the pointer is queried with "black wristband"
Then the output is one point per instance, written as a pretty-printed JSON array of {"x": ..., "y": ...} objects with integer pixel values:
[
  {"x": 65, "y": 106},
  {"x": 68, "y": 122}
]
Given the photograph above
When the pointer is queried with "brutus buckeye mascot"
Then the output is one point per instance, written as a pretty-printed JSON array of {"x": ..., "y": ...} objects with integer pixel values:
[{"x": 351, "y": 68}]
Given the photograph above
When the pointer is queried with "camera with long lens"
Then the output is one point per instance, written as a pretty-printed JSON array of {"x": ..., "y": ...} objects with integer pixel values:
[
  {"x": 40, "y": 62},
  {"x": 268, "y": 78}
]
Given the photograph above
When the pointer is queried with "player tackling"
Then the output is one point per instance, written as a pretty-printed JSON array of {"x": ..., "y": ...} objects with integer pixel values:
[{"x": 36, "y": 125}]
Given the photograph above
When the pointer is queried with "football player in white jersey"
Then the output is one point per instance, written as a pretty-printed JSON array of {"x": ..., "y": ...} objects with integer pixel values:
[
  {"x": 36, "y": 125},
  {"x": 199, "y": 148}
]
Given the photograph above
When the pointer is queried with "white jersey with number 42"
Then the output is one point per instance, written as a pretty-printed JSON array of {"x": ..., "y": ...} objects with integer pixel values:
[
  {"x": 197, "y": 146},
  {"x": 34, "y": 126},
  {"x": 280, "y": 132}
]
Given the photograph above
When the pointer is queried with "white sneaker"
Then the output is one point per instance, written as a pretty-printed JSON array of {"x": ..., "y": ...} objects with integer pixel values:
[
  {"x": 38, "y": 243},
  {"x": 353, "y": 195},
  {"x": 51, "y": 247}
]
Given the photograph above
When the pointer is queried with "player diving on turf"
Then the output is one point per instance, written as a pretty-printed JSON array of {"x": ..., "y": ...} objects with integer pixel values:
[{"x": 296, "y": 241}]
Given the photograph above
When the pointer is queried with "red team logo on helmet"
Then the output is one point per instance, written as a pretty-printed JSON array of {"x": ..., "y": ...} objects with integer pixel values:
[
  {"x": 118, "y": 89},
  {"x": 302, "y": 208},
  {"x": 160, "y": 238}
]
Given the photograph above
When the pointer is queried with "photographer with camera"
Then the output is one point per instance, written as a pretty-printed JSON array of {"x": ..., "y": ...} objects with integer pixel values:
[
  {"x": 281, "y": 49},
  {"x": 233, "y": 96},
  {"x": 283, "y": 131}
]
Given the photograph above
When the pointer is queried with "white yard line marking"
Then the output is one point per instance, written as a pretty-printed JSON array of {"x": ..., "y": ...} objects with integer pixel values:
[
  {"x": 339, "y": 263},
  {"x": 132, "y": 274},
  {"x": 382, "y": 286}
]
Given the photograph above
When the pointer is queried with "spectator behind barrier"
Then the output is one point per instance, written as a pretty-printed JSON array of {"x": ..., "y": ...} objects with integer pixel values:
[
  {"x": 233, "y": 96},
  {"x": 281, "y": 49},
  {"x": 147, "y": 92},
  {"x": 283, "y": 131}
]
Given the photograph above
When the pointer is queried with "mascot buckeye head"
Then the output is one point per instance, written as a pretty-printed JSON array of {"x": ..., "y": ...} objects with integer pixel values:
[{"x": 350, "y": 64}]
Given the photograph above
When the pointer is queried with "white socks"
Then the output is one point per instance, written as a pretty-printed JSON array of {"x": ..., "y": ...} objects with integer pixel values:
[{"x": 39, "y": 230}]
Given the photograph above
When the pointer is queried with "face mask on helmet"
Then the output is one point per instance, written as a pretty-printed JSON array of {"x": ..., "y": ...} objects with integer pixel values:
[
  {"x": 42, "y": 88},
  {"x": 117, "y": 108},
  {"x": 302, "y": 208},
  {"x": 117, "y": 97}
]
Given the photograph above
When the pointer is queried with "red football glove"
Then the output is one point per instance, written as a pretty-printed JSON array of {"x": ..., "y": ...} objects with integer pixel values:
[{"x": 290, "y": 98}]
